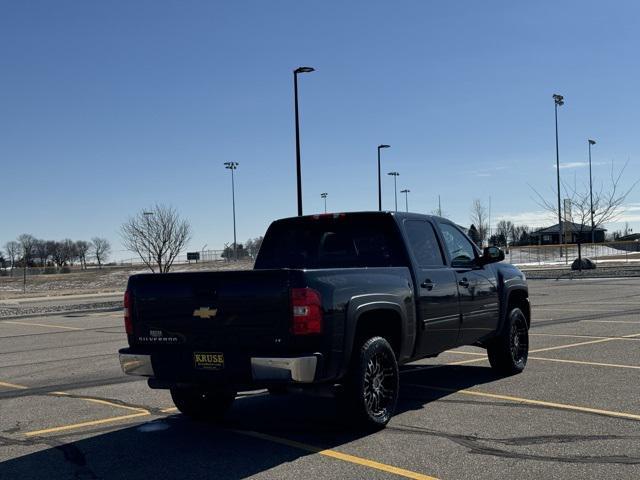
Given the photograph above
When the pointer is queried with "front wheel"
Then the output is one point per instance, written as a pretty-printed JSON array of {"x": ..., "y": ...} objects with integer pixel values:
[
  {"x": 374, "y": 383},
  {"x": 508, "y": 352},
  {"x": 203, "y": 405}
]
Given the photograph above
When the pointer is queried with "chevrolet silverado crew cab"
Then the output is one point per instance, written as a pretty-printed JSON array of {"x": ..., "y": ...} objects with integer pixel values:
[{"x": 334, "y": 302}]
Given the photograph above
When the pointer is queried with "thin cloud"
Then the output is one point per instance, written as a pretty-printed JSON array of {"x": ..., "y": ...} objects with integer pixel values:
[{"x": 577, "y": 165}]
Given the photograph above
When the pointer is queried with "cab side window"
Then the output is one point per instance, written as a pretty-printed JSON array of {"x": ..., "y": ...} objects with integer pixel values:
[
  {"x": 461, "y": 250},
  {"x": 424, "y": 244}
]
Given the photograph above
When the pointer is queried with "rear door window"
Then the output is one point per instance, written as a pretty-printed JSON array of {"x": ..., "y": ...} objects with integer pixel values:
[{"x": 424, "y": 244}]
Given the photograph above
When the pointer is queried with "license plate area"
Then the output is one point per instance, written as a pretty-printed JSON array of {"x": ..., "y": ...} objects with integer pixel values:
[{"x": 208, "y": 360}]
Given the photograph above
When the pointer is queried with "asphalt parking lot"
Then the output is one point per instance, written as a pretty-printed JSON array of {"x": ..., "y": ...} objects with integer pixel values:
[{"x": 66, "y": 411}]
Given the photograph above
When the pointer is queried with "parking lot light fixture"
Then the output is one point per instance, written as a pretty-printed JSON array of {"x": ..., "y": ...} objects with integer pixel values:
[
  {"x": 395, "y": 176},
  {"x": 324, "y": 196},
  {"x": 558, "y": 101},
  {"x": 233, "y": 166},
  {"x": 591, "y": 142},
  {"x": 380, "y": 147},
  {"x": 298, "y": 168},
  {"x": 406, "y": 198}
]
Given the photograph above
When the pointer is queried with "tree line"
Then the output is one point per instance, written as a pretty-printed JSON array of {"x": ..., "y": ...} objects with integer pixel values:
[{"x": 29, "y": 251}]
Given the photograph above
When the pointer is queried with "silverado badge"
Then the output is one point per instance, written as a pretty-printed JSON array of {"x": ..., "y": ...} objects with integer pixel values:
[{"x": 205, "y": 312}]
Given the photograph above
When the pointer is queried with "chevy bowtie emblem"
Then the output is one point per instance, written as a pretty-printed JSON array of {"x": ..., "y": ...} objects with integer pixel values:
[{"x": 205, "y": 312}]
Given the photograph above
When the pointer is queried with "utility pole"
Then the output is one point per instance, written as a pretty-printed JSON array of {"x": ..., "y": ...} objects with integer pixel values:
[
  {"x": 559, "y": 101},
  {"x": 406, "y": 198},
  {"x": 298, "y": 167},
  {"x": 232, "y": 166},
  {"x": 379, "y": 181},
  {"x": 591, "y": 142},
  {"x": 395, "y": 176}
]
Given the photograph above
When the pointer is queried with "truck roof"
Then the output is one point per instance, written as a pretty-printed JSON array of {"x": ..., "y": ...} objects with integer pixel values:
[{"x": 365, "y": 213}]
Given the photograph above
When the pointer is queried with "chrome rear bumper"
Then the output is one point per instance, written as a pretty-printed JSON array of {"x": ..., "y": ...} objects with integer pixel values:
[
  {"x": 297, "y": 369},
  {"x": 133, "y": 364}
]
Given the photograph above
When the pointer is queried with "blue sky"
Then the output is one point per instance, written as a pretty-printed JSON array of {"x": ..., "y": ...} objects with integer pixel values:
[{"x": 109, "y": 107}]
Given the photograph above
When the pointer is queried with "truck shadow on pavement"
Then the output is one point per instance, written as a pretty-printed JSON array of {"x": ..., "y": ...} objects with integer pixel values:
[{"x": 176, "y": 447}]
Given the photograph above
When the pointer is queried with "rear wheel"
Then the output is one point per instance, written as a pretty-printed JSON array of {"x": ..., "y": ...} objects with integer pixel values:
[
  {"x": 373, "y": 384},
  {"x": 508, "y": 353},
  {"x": 203, "y": 405}
]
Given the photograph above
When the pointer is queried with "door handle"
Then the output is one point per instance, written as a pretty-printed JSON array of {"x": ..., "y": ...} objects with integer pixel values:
[
  {"x": 464, "y": 282},
  {"x": 428, "y": 284}
]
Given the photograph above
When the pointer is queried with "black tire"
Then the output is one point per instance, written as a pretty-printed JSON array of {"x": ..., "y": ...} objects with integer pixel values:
[
  {"x": 209, "y": 405},
  {"x": 278, "y": 390},
  {"x": 508, "y": 352},
  {"x": 372, "y": 387}
]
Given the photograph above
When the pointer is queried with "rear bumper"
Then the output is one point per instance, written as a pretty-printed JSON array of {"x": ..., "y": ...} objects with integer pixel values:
[
  {"x": 296, "y": 369},
  {"x": 136, "y": 364},
  {"x": 263, "y": 369}
]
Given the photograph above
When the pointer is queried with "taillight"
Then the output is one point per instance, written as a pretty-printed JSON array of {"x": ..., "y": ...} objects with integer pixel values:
[
  {"x": 306, "y": 306},
  {"x": 128, "y": 306}
]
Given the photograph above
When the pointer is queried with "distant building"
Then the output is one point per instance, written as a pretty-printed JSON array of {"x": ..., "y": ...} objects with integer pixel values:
[{"x": 572, "y": 233}]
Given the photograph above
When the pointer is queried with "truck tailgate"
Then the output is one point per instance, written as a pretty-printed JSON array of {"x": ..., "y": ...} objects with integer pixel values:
[{"x": 234, "y": 310}]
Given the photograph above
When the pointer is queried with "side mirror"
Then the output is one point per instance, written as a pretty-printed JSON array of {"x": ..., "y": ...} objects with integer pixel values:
[{"x": 492, "y": 255}]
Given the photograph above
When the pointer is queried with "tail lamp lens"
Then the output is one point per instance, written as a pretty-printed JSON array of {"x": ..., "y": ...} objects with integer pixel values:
[
  {"x": 306, "y": 305},
  {"x": 128, "y": 306}
]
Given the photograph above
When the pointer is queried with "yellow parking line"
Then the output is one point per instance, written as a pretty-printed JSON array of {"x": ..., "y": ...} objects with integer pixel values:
[
  {"x": 91, "y": 423},
  {"x": 13, "y": 385},
  {"x": 41, "y": 325},
  {"x": 579, "y": 362},
  {"x": 579, "y": 336},
  {"x": 600, "y": 340},
  {"x": 528, "y": 401},
  {"x": 169, "y": 410},
  {"x": 365, "y": 462},
  {"x": 612, "y": 321}
]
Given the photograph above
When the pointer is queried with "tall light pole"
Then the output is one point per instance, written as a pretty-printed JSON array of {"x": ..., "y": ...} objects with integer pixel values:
[
  {"x": 591, "y": 142},
  {"x": 406, "y": 198},
  {"x": 395, "y": 176},
  {"x": 324, "y": 196},
  {"x": 298, "y": 168},
  {"x": 232, "y": 166},
  {"x": 379, "y": 181},
  {"x": 559, "y": 101}
]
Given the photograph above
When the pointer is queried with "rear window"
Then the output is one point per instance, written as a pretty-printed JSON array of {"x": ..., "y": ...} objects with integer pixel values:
[{"x": 331, "y": 242}]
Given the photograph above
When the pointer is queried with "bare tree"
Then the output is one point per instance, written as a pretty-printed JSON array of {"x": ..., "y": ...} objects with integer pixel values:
[
  {"x": 13, "y": 252},
  {"x": 504, "y": 232},
  {"x": 608, "y": 201},
  {"x": 41, "y": 252},
  {"x": 608, "y": 205},
  {"x": 157, "y": 235},
  {"x": 82, "y": 249},
  {"x": 100, "y": 248},
  {"x": 58, "y": 253},
  {"x": 27, "y": 243},
  {"x": 479, "y": 217},
  {"x": 27, "y": 247}
]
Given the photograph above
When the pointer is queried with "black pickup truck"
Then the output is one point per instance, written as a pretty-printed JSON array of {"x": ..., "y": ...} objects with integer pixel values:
[{"x": 334, "y": 302}]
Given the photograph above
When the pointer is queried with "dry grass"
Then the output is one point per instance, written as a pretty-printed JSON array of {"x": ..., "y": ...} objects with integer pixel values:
[{"x": 93, "y": 281}]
